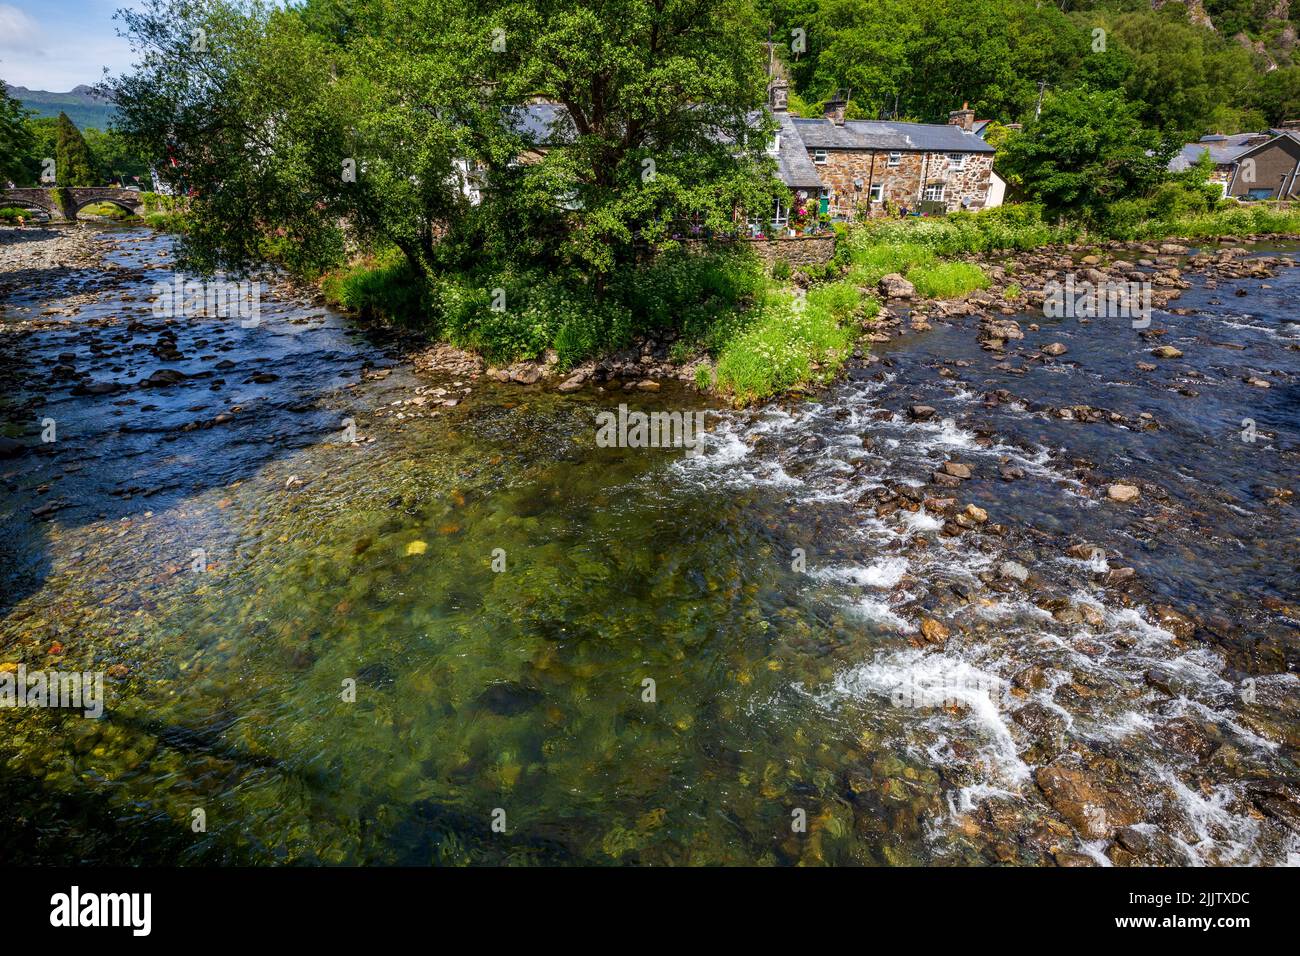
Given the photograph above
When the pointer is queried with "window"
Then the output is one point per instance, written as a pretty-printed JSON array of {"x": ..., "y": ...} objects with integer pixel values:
[
  {"x": 934, "y": 193},
  {"x": 957, "y": 160},
  {"x": 781, "y": 218},
  {"x": 776, "y": 145},
  {"x": 819, "y": 156},
  {"x": 877, "y": 193},
  {"x": 895, "y": 159}
]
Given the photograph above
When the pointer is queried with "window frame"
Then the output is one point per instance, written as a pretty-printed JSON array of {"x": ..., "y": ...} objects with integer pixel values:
[
  {"x": 876, "y": 193},
  {"x": 821, "y": 157},
  {"x": 956, "y": 160},
  {"x": 894, "y": 159}
]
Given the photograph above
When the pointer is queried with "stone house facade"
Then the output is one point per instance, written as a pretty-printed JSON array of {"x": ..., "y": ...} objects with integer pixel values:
[{"x": 869, "y": 168}]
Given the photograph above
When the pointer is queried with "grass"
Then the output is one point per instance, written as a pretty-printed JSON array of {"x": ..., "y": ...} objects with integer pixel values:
[
  {"x": 1018, "y": 226},
  {"x": 947, "y": 280},
  {"x": 869, "y": 263},
  {"x": 789, "y": 346},
  {"x": 378, "y": 288},
  {"x": 1234, "y": 220}
]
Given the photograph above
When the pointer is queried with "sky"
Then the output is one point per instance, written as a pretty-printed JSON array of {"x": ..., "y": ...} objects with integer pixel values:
[{"x": 58, "y": 44}]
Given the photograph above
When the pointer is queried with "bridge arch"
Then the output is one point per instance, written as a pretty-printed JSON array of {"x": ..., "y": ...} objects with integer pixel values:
[{"x": 133, "y": 209}]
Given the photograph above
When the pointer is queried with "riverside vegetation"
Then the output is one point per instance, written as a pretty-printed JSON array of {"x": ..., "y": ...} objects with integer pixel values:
[{"x": 308, "y": 136}]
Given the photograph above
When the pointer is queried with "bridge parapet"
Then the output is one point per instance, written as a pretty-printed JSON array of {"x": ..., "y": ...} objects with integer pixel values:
[{"x": 62, "y": 203}]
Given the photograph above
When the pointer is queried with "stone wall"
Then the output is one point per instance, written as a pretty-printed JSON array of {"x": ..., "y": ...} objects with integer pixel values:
[
  {"x": 902, "y": 183},
  {"x": 798, "y": 250}
]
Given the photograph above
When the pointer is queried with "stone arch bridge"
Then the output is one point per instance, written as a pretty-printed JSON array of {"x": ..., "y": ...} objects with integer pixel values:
[{"x": 63, "y": 203}]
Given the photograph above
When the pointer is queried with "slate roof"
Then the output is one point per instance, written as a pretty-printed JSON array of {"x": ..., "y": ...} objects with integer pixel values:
[
  {"x": 793, "y": 165},
  {"x": 1224, "y": 150},
  {"x": 887, "y": 135}
]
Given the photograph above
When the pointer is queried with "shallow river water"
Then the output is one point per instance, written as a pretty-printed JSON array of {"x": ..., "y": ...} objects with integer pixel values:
[{"x": 564, "y": 653}]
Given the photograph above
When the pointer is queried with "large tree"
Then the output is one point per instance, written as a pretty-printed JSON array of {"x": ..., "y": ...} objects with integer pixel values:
[
  {"x": 73, "y": 165},
  {"x": 374, "y": 112},
  {"x": 1087, "y": 149}
]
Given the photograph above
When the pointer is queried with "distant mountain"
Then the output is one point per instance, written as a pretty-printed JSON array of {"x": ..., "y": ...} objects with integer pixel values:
[{"x": 80, "y": 103}]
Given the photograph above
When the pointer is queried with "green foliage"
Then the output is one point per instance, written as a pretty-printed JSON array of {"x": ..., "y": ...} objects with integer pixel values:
[
  {"x": 1087, "y": 149},
  {"x": 877, "y": 247},
  {"x": 15, "y": 137},
  {"x": 1180, "y": 77},
  {"x": 114, "y": 158},
  {"x": 383, "y": 288},
  {"x": 947, "y": 280},
  {"x": 873, "y": 260},
  {"x": 408, "y": 95},
  {"x": 787, "y": 347},
  {"x": 74, "y": 165}
]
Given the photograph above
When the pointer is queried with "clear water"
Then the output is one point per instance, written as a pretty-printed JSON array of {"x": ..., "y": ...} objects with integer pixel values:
[{"x": 519, "y": 697}]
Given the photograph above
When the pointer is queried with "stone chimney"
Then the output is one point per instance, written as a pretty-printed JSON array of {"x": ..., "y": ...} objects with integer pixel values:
[
  {"x": 778, "y": 95},
  {"x": 964, "y": 117},
  {"x": 835, "y": 107},
  {"x": 778, "y": 84}
]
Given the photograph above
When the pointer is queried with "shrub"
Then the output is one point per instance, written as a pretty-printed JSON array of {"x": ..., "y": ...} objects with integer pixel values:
[{"x": 385, "y": 288}]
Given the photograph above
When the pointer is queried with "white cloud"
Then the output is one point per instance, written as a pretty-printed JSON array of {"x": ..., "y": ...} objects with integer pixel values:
[
  {"x": 18, "y": 31},
  {"x": 59, "y": 48}
]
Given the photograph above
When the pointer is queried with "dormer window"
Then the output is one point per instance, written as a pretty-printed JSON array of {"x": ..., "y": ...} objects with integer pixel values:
[
  {"x": 819, "y": 156},
  {"x": 895, "y": 158}
]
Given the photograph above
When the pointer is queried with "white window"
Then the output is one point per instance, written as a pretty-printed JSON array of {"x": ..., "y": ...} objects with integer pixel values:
[
  {"x": 819, "y": 156},
  {"x": 781, "y": 217},
  {"x": 776, "y": 145},
  {"x": 895, "y": 159},
  {"x": 957, "y": 160},
  {"x": 934, "y": 193},
  {"x": 877, "y": 192}
]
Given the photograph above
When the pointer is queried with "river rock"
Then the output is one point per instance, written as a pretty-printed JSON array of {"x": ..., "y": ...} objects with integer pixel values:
[
  {"x": 1092, "y": 807},
  {"x": 1167, "y": 352},
  {"x": 920, "y": 413},
  {"x": 933, "y": 631},
  {"x": 163, "y": 377},
  {"x": 894, "y": 286},
  {"x": 1123, "y": 493},
  {"x": 1014, "y": 571},
  {"x": 956, "y": 469},
  {"x": 1055, "y": 348}
]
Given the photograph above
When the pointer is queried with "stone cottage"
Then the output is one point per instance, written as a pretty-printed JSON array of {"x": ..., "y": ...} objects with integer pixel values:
[{"x": 867, "y": 167}]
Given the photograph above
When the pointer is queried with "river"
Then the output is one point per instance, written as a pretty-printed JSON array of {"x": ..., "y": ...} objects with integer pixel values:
[{"x": 474, "y": 636}]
